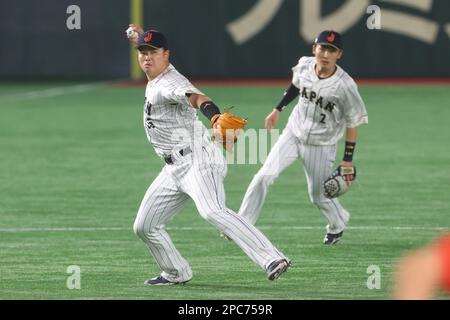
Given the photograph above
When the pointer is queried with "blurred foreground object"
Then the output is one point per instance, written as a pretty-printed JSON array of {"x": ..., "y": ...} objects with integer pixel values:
[{"x": 423, "y": 273}]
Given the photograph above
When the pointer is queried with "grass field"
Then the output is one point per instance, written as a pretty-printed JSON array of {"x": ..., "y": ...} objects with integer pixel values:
[{"x": 75, "y": 164}]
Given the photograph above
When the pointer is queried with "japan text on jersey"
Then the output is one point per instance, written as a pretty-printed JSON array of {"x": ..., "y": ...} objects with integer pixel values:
[{"x": 325, "y": 106}]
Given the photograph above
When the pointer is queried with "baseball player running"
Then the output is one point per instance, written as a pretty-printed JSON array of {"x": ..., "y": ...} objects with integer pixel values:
[
  {"x": 195, "y": 168},
  {"x": 329, "y": 104}
]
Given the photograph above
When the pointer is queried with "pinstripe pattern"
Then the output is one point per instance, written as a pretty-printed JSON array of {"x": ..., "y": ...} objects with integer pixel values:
[
  {"x": 340, "y": 90},
  {"x": 284, "y": 152},
  {"x": 204, "y": 184},
  {"x": 174, "y": 121},
  {"x": 202, "y": 181},
  {"x": 317, "y": 163},
  {"x": 161, "y": 202},
  {"x": 198, "y": 175},
  {"x": 324, "y": 109}
]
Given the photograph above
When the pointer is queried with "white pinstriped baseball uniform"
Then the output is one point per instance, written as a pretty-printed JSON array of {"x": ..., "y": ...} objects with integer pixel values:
[
  {"x": 172, "y": 125},
  {"x": 324, "y": 109}
]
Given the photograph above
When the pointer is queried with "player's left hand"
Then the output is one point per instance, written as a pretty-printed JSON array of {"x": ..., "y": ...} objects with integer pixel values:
[
  {"x": 226, "y": 128},
  {"x": 348, "y": 177}
]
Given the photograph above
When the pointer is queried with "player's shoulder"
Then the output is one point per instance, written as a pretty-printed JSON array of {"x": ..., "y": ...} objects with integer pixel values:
[
  {"x": 173, "y": 78},
  {"x": 303, "y": 63},
  {"x": 306, "y": 60},
  {"x": 345, "y": 80},
  {"x": 174, "y": 75}
]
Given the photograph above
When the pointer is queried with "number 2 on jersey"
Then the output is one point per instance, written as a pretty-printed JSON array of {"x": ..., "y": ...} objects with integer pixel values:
[{"x": 323, "y": 115}]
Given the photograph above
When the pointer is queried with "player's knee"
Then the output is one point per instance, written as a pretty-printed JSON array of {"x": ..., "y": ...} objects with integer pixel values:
[
  {"x": 145, "y": 233},
  {"x": 210, "y": 215},
  {"x": 138, "y": 228},
  {"x": 141, "y": 230},
  {"x": 320, "y": 202},
  {"x": 214, "y": 216}
]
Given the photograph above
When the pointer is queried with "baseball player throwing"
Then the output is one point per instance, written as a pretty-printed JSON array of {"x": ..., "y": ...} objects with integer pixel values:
[
  {"x": 328, "y": 105},
  {"x": 195, "y": 168}
]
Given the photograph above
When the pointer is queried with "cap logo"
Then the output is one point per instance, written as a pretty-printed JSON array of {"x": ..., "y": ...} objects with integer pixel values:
[
  {"x": 331, "y": 37},
  {"x": 148, "y": 37}
]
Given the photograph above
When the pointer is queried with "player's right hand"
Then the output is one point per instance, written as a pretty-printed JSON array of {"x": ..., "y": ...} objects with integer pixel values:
[
  {"x": 136, "y": 28},
  {"x": 272, "y": 119},
  {"x": 348, "y": 177}
]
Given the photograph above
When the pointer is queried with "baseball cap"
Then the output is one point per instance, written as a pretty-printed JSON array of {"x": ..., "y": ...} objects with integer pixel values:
[
  {"x": 330, "y": 37},
  {"x": 153, "y": 39}
]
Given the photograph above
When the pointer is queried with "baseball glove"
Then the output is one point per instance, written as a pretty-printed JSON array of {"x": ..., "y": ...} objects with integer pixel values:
[
  {"x": 336, "y": 185},
  {"x": 227, "y": 122}
]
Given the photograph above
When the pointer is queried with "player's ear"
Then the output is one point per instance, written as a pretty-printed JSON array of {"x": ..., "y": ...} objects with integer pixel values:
[
  {"x": 340, "y": 54},
  {"x": 166, "y": 53},
  {"x": 314, "y": 49}
]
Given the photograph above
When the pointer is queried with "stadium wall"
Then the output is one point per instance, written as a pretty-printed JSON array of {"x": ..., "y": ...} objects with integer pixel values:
[{"x": 225, "y": 39}]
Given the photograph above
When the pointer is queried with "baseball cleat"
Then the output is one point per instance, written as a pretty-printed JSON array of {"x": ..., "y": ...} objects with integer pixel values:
[
  {"x": 332, "y": 238},
  {"x": 276, "y": 268},
  {"x": 161, "y": 281}
]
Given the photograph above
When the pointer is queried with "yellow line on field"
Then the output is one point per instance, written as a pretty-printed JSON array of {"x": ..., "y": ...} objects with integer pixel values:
[{"x": 136, "y": 17}]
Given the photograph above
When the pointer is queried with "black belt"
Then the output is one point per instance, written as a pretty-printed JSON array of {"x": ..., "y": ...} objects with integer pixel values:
[{"x": 169, "y": 160}]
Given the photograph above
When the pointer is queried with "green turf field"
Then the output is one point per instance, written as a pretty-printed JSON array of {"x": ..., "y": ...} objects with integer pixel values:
[{"x": 75, "y": 164}]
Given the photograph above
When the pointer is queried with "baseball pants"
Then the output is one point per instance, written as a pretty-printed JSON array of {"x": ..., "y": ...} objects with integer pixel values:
[
  {"x": 318, "y": 162},
  {"x": 201, "y": 181}
]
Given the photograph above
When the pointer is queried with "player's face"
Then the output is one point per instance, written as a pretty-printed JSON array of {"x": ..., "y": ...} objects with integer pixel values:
[
  {"x": 153, "y": 61},
  {"x": 326, "y": 56}
]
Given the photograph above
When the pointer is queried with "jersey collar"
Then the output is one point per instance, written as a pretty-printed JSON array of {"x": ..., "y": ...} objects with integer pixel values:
[{"x": 315, "y": 77}]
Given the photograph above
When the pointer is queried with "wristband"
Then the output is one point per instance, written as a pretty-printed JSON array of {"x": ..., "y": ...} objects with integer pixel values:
[
  {"x": 349, "y": 151},
  {"x": 209, "y": 109}
]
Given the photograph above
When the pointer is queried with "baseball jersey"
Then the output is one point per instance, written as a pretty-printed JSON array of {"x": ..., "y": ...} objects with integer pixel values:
[
  {"x": 170, "y": 121},
  {"x": 325, "y": 106}
]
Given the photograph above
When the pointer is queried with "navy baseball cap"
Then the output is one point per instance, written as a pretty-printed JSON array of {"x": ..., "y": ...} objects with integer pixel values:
[
  {"x": 331, "y": 38},
  {"x": 153, "y": 39}
]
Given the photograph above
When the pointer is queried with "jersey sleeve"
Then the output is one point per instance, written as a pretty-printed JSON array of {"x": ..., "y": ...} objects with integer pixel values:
[
  {"x": 177, "y": 93},
  {"x": 355, "y": 112},
  {"x": 296, "y": 71}
]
